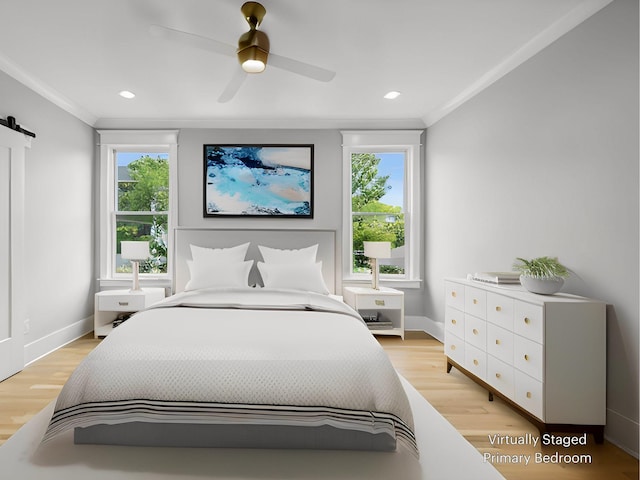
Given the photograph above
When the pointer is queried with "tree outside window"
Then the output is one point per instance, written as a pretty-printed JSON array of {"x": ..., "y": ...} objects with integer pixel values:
[
  {"x": 142, "y": 199},
  {"x": 376, "y": 214}
]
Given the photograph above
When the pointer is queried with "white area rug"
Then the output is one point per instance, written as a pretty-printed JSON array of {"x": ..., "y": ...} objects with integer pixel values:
[{"x": 444, "y": 455}]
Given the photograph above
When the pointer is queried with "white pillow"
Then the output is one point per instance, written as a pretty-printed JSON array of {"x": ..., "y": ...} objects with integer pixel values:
[
  {"x": 303, "y": 276},
  {"x": 218, "y": 274},
  {"x": 276, "y": 255},
  {"x": 231, "y": 254}
]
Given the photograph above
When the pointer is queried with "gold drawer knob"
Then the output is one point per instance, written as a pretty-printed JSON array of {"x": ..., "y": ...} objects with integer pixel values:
[
  {"x": 498, "y": 375},
  {"x": 475, "y": 362},
  {"x": 528, "y": 394},
  {"x": 475, "y": 331},
  {"x": 526, "y": 357},
  {"x": 498, "y": 308},
  {"x": 475, "y": 301},
  {"x": 497, "y": 341},
  {"x": 380, "y": 303},
  {"x": 452, "y": 347},
  {"x": 526, "y": 320},
  {"x": 454, "y": 294},
  {"x": 454, "y": 321}
]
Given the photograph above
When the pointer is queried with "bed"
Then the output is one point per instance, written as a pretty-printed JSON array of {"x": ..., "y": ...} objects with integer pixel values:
[{"x": 253, "y": 350}]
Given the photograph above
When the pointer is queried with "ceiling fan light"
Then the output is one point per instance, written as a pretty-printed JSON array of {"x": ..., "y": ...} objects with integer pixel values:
[
  {"x": 253, "y": 66},
  {"x": 253, "y": 59}
]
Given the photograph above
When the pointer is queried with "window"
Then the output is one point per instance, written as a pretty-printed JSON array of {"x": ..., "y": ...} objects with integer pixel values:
[
  {"x": 136, "y": 198},
  {"x": 141, "y": 210},
  {"x": 381, "y": 203}
]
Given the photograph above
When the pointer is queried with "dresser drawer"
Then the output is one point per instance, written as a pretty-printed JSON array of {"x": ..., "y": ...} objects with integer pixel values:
[
  {"x": 454, "y": 347},
  {"x": 454, "y": 295},
  {"x": 500, "y": 376},
  {"x": 475, "y": 302},
  {"x": 529, "y": 394},
  {"x": 378, "y": 302},
  {"x": 454, "y": 321},
  {"x": 475, "y": 360},
  {"x": 529, "y": 321},
  {"x": 475, "y": 332},
  {"x": 500, "y": 343},
  {"x": 121, "y": 303},
  {"x": 500, "y": 310},
  {"x": 528, "y": 357}
]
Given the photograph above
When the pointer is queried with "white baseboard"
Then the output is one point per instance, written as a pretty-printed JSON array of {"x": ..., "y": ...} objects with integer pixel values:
[
  {"x": 425, "y": 324},
  {"x": 622, "y": 432},
  {"x": 47, "y": 344}
]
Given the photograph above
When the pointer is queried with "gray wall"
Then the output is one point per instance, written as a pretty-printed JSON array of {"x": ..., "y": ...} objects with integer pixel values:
[
  {"x": 59, "y": 217},
  {"x": 327, "y": 185},
  {"x": 545, "y": 162}
]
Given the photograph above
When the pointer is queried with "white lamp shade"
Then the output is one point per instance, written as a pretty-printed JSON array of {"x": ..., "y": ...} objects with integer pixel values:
[
  {"x": 377, "y": 249},
  {"x": 134, "y": 250}
]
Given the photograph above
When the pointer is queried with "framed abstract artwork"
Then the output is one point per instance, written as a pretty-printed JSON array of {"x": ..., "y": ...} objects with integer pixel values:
[{"x": 258, "y": 181}]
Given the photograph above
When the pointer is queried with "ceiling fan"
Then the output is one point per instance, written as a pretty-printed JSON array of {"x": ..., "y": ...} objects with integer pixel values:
[{"x": 253, "y": 51}]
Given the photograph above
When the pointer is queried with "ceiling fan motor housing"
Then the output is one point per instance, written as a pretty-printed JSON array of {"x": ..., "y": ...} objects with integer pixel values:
[{"x": 253, "y": 46}]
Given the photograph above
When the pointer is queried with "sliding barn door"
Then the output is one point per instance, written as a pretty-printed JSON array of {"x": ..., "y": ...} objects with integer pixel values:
[{"x": 12, "y": 301}]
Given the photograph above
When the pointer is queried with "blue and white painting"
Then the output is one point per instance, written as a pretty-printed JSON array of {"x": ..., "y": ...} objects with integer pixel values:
[{"x": 258, "y": 180}]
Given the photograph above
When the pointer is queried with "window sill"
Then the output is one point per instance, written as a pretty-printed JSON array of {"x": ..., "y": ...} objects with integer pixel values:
[{"x": 385, "y": 282}]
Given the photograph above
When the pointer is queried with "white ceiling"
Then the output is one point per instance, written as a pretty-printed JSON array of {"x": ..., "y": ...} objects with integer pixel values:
[{"x": 438, "y": 53}]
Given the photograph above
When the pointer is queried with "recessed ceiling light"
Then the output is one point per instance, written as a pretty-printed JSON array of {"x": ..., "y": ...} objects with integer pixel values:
[
  {"x": 392, "y": 95},
  {"x": 127, "y": 94}
]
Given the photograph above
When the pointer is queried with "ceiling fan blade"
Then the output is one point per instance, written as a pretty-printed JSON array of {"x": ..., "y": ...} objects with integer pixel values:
[
  {"x": 233, "y": 86},
  {"x": 301, "y": 68},
  {"x": 186, "y": 38}
]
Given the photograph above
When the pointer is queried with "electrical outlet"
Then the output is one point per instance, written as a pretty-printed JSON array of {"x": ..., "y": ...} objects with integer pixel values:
[{"x": 27, "y": 326}]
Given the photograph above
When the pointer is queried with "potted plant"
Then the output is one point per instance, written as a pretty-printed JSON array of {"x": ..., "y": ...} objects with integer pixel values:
[{"x": 544, "y": 275}]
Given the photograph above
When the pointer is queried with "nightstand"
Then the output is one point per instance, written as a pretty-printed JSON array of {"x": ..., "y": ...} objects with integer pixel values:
[
  {"x": 382, "y": 310},
  {"x": 110, "y": 304}
]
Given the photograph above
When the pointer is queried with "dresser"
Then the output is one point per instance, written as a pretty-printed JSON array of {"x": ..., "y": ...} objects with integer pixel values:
[{"x": 545, "y": 355}]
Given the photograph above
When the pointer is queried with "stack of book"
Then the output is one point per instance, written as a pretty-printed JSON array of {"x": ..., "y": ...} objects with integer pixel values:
[
  {"x": 379, "y": 325},
  {"x": 377, "y": 322},
  {"x": 498, "y": 278}
]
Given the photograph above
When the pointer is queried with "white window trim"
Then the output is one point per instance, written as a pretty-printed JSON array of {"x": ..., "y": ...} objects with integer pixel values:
[
  {"x": 408, "y": 141},
  {"x": 132, "y": 140}
]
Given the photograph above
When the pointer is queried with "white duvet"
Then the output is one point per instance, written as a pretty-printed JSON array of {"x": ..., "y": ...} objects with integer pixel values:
[{"x": 235, "y": 351}]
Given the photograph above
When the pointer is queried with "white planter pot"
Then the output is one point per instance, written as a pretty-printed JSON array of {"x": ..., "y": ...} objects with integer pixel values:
[{"x": 543, "y": 286}]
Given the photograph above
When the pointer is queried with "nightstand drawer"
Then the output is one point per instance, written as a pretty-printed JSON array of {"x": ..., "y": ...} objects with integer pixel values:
[
  {"x": 121, "y": 302},
  {"x": 376, "y": 302}
]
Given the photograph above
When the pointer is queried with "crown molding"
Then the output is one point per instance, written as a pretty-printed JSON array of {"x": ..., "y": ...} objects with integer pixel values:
[{"x": 538, "y": 43}]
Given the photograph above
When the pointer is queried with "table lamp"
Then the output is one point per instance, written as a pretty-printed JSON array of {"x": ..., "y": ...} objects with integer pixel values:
[
  {"x": 376, "y": 250},
  {"x": 135, "y": 251}
]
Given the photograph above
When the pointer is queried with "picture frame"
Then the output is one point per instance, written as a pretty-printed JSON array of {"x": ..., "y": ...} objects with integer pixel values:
[{"x": 258, "y": 180}]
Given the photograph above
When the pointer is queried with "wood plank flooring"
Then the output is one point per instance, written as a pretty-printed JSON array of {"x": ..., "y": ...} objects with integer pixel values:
[{"x": 420, "y": 359}]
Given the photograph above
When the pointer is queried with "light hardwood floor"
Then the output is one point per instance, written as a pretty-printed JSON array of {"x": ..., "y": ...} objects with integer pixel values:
[{"x": 420, "y": 359}]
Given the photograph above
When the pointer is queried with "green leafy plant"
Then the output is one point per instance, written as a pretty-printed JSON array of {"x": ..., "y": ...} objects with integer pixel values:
[{"x": 541, "y": 267}]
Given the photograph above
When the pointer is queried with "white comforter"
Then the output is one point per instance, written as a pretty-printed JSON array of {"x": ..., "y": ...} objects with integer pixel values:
[{"x": 250, "y": 349}]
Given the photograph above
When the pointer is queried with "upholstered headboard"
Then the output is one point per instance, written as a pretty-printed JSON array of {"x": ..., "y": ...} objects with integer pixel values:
[{"x": 224, "y": 238}]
